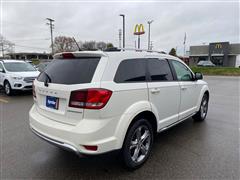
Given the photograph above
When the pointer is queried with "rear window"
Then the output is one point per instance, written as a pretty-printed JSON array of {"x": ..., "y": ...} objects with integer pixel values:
[
  {"x": 131, "y": 70},
  {"x": 70, "y": 71}
]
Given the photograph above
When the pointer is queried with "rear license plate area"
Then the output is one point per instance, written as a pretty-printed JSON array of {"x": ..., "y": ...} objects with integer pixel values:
[{"x": 52, "y": 102}]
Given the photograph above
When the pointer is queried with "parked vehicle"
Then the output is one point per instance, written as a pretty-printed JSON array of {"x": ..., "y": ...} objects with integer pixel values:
[
  {"x": 206, "y": 64},
  {"x": 42, "y": 66},
  {"x": 95, "y": 102},
  {"x": 16, "y": 75}
]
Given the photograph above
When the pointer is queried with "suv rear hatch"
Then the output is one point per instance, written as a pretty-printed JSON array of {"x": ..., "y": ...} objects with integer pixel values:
[{"x": 54, "y": 86}]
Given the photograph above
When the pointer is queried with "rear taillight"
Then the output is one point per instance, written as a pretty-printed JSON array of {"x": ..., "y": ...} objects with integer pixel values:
[
  {"x": 68, "y": 56},
  {"x": 90, "y": 148},
  {"x": 90, "y": 98},
  {"x": 33, "y": 91}
]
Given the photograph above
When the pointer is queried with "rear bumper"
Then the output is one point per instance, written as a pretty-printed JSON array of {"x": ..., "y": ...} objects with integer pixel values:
[
  {"x": 74, "y": 137},
  {"x": 55, "y": 142}
]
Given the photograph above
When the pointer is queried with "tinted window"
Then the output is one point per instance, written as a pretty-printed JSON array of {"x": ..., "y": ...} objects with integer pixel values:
[
  {"x": 159, "y": 70},
  {"x": 70, "y": 71},
  {"x": 183, "y": 73},
  {"x": 18, "y": 67},
  {"x": 131, "y": 70}
]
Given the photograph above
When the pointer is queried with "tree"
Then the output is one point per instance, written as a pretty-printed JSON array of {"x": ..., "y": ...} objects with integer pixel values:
[
  {"x": 64, "y": 44},
  {"x": 173, "y": 52},
  {"x": 101, "y": 45},
  {"x": 89, "y": 45},
  {"x": 110, "y": 45},
  {"x": 6, "y": 46}
]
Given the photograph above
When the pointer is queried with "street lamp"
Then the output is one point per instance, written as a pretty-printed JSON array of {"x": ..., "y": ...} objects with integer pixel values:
[
  {"x": 149, "y": 26},
  {"x": 123, "y": 29}
]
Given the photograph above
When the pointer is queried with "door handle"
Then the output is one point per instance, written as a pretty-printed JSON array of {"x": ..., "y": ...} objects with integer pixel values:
[
  {"x": 183, "y": 88},
  {"x": 155, "y": 90}
]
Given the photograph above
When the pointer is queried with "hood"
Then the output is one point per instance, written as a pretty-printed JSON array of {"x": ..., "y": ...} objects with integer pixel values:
[{"x": 25, "y": 74}]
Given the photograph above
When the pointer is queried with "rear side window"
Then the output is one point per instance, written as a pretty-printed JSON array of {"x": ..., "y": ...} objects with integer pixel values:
[
  {"x": 70, "y": 71},
  {"x": 131, "y": 70},
  {"x": 159, "y": 70}
]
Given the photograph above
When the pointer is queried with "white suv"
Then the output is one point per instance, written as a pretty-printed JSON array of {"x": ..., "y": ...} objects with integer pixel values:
[
  {"x": 96, "y": 102},
  {"x": 16, "y": 75}
]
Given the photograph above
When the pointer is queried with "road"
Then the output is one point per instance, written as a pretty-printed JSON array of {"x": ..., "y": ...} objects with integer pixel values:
[{"x": 190, "y": 150}]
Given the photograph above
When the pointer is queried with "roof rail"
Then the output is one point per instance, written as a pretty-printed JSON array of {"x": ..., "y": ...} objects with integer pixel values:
[{"x": 140, "y": 50}]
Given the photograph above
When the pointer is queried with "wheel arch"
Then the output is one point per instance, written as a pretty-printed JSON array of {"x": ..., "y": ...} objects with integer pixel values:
[
  {"x": 128, "y": 119},
  {"x": 148, "y": 115},
  {"x": 204, "y": 90},
  {"x": 5, "y": 81}
]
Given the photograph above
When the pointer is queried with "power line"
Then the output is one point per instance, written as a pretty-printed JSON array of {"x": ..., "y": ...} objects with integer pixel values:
[{"x": 51, "y": 25}]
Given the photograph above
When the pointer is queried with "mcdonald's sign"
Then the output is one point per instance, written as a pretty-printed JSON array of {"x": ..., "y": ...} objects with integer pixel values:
[
  {"x": 139, "y": 29},
  {"x": 218, "y": 46}
]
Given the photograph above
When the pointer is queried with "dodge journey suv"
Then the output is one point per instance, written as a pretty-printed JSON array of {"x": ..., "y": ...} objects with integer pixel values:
[{"x": 92, "y": 102}]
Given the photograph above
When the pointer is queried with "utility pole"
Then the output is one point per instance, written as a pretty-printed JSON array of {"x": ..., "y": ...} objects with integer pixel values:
[
  {"x": 123, "y": 29},
  {"x": 51, "y": 25},
  {"x": 184, "y": 44},
  {"x": 149, "y": 29},
  {"x": 151, "y": 45},
  {"x": 120, "y": 38},
  {"x": 2, "y": 50}
]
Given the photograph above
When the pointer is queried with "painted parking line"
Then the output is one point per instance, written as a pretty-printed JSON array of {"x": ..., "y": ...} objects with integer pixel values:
[{"x": 3, "y": 100}]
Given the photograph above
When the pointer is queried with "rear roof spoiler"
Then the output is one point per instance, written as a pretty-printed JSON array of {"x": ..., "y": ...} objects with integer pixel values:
[{"x": 79, "y": 54}]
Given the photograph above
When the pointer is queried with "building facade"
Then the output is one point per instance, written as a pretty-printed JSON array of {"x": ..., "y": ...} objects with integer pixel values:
[
  {"x": 220, "y": 53},
  {"x": 29, "y": 56}
]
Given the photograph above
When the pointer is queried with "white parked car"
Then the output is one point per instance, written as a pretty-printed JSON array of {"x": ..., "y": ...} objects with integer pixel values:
[
  {"x": 16, "y": 75},
  {"x": 96, "y": 102}
]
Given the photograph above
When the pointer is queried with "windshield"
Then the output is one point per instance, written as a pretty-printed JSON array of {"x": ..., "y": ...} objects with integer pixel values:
[{"x": 18, "y": 67}]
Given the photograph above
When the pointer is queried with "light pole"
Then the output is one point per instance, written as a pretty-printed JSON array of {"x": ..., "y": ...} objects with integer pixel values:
[
  {"x": 149, "y": 26},
  {"x": 123, "y": 29}
]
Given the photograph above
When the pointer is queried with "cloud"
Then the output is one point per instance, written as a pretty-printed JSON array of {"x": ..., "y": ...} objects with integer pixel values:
[{"x": 204, "y": 22}]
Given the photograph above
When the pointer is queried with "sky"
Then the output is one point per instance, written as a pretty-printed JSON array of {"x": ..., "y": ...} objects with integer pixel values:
[{"x": 24, "y": 22}]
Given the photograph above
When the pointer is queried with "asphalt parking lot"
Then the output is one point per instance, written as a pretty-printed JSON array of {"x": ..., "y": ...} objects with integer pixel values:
[{"x": 208, "y": 150}]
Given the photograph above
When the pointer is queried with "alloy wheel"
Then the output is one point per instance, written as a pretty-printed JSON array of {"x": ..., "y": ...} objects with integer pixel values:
[
  {"x": 140, "y": 143},
  {"x": 7, "y": 88},
  {"x": 204, "y": 108}
]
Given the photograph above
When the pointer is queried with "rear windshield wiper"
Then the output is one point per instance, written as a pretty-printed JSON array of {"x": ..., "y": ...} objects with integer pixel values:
[{"x": 47, "y": 80}]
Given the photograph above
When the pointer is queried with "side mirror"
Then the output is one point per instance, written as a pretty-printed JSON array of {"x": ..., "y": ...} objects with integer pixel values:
[
  {"x": 1, "y": 70},
  {"x": 198, "y": 76}
]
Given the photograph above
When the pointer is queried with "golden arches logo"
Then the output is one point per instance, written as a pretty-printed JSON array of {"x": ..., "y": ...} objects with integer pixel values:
[
  {"x": 139, "y": 29},
  {"x": 218, "y": 46}
]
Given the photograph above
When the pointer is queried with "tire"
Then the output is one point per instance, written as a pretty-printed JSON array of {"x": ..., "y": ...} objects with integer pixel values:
[
  {"x": 202, "y": 113},
  {"x": 7, "y": 88},
  {"x": 137, "y": 144}
]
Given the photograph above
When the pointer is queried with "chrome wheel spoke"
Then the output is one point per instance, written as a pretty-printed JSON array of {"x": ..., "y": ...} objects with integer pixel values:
[
  {"x": 138, "y": 133},
  {"x": 133, "y": 144},
  {"x": 7, "y": 88},
  {"x": 143, "y": 149},
  {"x": 145, "y": 136},
  {"x": 204, "y": 108},
  {"x": 136, "y": 154}
]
